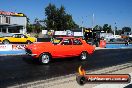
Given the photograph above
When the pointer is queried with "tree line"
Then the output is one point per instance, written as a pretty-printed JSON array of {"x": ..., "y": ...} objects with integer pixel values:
[{"x": 107, "y": 29}]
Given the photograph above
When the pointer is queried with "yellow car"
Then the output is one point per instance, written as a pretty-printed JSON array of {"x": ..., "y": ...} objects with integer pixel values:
[
  {"x": 18, "y": 38},
  {"x": 1, "y": 39}
]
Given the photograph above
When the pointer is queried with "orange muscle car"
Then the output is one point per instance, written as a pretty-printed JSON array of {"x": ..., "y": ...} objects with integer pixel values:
[{"x": 60, "y": 47}]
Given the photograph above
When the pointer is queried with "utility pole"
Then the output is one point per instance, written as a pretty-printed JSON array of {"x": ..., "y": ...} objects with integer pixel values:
[
  {"x": 82, "y": 28},
  {"x": 92, "y": 21},
  {"x": 115, "y": 28}
]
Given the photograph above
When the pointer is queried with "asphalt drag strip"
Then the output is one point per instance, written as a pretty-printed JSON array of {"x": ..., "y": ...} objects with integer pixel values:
[
  {"x": 70, "y": 80},
  {"x": 19, "y": 70}
]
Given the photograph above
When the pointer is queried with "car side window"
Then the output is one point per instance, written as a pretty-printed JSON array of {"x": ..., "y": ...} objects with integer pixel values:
[
  {"x": 23, "y": 36},
  {"x": 67, "y": 42},
  {"x": 16, "y": 36},
  {"x": 77, "y": 42}
]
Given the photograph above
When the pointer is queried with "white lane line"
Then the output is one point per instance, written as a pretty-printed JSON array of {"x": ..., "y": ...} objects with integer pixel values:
[{"x": 114, "y": 85}]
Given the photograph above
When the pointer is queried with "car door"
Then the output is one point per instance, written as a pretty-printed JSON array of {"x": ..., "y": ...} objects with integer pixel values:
[
  {"x": 14, "y": 38},
  {"x": 20, "y": 38},
  {"x": 23, "y": 38},
  {"x": 17, "y": 38},
  {"x": 77, "y": 47},
  {"x": 64, "y": 49}
]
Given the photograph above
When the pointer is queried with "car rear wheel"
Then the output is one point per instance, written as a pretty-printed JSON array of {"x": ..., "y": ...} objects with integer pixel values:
[
  {"x": 44, "y": 58},
  {"x": 5, "y": 42},
  {"x": 84, "y": 55}
]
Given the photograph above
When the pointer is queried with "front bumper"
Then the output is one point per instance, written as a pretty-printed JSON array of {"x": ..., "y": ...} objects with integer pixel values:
[{"x": 31, "y": 54}]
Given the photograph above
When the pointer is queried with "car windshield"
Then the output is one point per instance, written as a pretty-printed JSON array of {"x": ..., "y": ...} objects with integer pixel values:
[{"x": 56, "y": 40}]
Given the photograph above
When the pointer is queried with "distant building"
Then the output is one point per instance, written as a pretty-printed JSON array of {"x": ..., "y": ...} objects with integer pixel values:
[{"x": 11, "y": 22}]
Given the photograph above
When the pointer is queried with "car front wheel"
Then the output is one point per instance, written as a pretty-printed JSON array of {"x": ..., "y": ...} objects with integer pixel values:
[
  {"x": 84, "y": 55},
  {"x": 44, "y": 58},
  {"x": 6, "y": 42}
]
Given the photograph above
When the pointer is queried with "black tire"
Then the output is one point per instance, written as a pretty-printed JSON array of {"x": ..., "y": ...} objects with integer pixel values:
[
  {"x": 6, "y": 41},
  {"x": 84, "y": 56},
  {"x": 81, "y": 80},
  {"x": 28, "y": 42},
  {"x": 44, "y": 58}
]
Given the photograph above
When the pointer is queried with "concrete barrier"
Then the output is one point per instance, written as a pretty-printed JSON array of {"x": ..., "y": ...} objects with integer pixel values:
[
  {"x": 15, "y": 49},
  {"x": 5, "y": 47},
  {"x": 12, "y": 52},
  {"x": 9, "y": 47}
]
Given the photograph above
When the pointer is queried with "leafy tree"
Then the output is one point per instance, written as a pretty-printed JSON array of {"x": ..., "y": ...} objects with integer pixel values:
[
  {"x": 29, "y": 26},
  {"x": 107, "y": 28},
  {"x": 58, "y": 19},
  {"x": 126, "y": 29},
  {"x": 97, "y": 27},
  {"x": 36, "y": 20},
  {"x": 118, "y": 32},
  {"x": 28, "y": 20},
  {"x": 51, "y": 13},
  {"x": 37, "y": 26}
]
